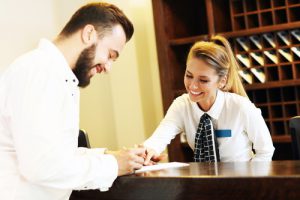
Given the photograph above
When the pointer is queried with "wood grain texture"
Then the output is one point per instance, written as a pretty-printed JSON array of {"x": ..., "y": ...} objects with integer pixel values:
[{"x": 241, "y": 180}]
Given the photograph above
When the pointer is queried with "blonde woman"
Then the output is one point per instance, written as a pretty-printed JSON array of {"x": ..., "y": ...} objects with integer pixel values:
[{"x": 220, "y": 122}]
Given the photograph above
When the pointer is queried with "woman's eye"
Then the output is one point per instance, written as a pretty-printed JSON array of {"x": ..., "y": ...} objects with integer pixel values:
[
  {"x": 188, "y": 76},
  {"x": 203, "y": 81}
]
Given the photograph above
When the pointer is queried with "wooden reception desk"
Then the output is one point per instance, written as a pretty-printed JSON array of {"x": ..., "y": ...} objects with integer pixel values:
[{"x": 240, "y": 180}]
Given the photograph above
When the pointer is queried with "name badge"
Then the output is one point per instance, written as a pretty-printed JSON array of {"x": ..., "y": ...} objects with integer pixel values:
[{"x": 223, "y": 133}]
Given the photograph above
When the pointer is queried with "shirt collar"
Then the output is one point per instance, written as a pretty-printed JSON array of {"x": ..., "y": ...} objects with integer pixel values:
[
  {"x": 216, "y": 108},
  {"x": 59, "y": 62}
]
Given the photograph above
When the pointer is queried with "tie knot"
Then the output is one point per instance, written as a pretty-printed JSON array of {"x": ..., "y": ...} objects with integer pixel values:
[{"x": 205, "y": 116}]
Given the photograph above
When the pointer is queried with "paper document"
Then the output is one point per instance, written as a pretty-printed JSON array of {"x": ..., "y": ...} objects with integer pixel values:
[
  {"x": 160, "y": 166},
  {"x": 256, "y": 41},
  {"x": 246, "y": 76},
  {"x": 286, "y": 54},
  {"x": 243, "y": 43},
  {"x": 284, "y": 37},
  {"x": 243, "y": 59},
  {"x": 296, "y": 50},
  {"x": 258, "y": 57},
  {"x": 270, "y": 39},
  {"x": 296, "y": 34}
]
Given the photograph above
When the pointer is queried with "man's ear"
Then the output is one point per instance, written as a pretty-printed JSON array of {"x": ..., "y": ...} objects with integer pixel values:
[{"x": 89, "y": 34}]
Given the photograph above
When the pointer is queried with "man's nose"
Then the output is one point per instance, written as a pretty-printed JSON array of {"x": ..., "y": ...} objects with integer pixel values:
[{"x": 108, "y": 65}]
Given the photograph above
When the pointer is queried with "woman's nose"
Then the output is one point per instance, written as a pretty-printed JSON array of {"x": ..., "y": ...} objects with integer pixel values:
[{"x": 195, "y": 85}]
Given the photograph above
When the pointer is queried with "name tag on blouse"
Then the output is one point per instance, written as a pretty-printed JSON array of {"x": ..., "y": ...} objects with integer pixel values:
[{"x": 223, "y": 133}]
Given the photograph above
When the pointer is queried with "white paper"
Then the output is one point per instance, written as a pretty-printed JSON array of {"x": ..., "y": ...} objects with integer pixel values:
[
  {"x": 286, "y": 54},
  {"x": 160, "y": 166},
  {"x": 246, "y": 76},
  {"x": 258, "y": 57},
  {"x": 284, "y": 37},
  {"x": 296, "y": 34},
  {"x": 260, "y": 75},
  {"x": 272, "y": 56},
  {"x": 244, "y": 59},
  {"x": 296, "y": 50},
  {"x": 243, "y": 43},
  {"x": 255, "y": 40},
  {"x": 270, "y": 39}
]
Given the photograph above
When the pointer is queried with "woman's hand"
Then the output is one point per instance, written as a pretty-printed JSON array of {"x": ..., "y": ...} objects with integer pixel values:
[{"x": 151, "y": 156}]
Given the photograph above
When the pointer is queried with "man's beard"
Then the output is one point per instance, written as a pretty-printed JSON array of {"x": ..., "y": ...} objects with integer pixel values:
[{"x": 83, "y": 66}]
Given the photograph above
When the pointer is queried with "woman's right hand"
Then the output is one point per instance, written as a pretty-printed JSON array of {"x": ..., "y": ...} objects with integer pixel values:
[{"x": 152, "y": 157}]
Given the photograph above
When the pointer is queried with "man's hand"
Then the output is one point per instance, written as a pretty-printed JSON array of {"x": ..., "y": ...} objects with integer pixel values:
[{"x": 128, "y": 159}]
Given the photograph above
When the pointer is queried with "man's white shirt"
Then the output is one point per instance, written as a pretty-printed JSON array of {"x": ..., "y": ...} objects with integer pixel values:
[{"x": 39, "y": 124}]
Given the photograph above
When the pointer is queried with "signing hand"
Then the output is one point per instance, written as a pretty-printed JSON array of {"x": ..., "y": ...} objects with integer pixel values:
[
  {"x": 152, "y": 157},
  {"x": 128, "y": 159}
]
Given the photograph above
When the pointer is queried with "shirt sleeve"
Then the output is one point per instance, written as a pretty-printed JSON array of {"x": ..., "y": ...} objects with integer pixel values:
[
  {"x": 258, "y": 133},
  {"x": 45, "y": 136},
  {"x": 169, "y": 127}
]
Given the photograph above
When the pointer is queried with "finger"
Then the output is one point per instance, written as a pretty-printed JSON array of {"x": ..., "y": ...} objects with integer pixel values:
[
  {"x": 138, "y": 151},
  {"x": 159, "y": 158},
  {"x": 152, "y": 162},
  {"x": 137, "y": 166},
  {"x": 138, "y": 159},
  {"x": 148, "y": 157}
]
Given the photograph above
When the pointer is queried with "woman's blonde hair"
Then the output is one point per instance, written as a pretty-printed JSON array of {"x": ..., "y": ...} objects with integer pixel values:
[{"x": 218, "y": 54}]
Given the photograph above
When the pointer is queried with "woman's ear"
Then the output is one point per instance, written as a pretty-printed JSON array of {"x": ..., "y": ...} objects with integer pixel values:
[
  {"x": 223, "y": 82},
  {"x": 89, "y": 34}
]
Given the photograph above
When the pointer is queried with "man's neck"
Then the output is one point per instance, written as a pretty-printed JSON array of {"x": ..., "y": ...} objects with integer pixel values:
[{"x": 69, "y": 48}]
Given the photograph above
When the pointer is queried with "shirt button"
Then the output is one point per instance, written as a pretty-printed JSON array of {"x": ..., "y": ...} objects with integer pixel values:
[
  {"x": 74, "y": 80},
  {"x": 66, "y": 80}
]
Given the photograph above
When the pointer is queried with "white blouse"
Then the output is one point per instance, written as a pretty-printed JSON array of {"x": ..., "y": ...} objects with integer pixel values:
[
  {"x": 39, "y": 124},
  {"x": 238, "y": 125}
]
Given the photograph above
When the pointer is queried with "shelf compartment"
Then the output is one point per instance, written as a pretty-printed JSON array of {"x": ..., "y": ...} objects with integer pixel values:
[
  {"x": 284, "y": 56},
  {"x": 266, "y": 18},
  {"x": 290, "y": 110},
  {"x": 237, "y": 6},
  {"x": 295, "y": 36},
  {"x": 294, "y": 14},
  {"x": 286, "y": 72},
  {"x": 297, "y": 71},
  {"x": 277, "y": 128},
  {"x": 221, "y": 16},
  {"x": 288, "y": 94},
  {"x": 185, "y": 22},
  {"x": 272, "y": 74},
  {"x": 274, "y": 95},
  {"x": 252, "y": 21},
  {"x": 239, "y": 23},
  {"x": 293, "y": 2},
  {"x": 259, "y": 96},
  {"x": 276, "y": 111},
  {"x": 281, "y": 16},
  {"x": 250, "y": 6},
  {"x": 264, "y": 111},
  {"x": 278, "y": 3},
  {"x": 295, "y": 55},
  {"x": 264, "y": 4}
]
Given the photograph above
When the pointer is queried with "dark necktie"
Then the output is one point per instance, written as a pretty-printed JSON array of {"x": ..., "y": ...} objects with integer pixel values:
[{"x": 206, "y": 146}]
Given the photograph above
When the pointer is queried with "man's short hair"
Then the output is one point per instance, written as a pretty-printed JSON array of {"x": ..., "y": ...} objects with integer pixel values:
[{"x": 103, "y": 16}]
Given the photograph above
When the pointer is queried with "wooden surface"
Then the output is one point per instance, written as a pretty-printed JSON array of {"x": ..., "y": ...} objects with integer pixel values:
[{"x": 240, "y": 180}]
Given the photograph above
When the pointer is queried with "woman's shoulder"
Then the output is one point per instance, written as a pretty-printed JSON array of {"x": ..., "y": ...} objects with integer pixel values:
[{"x": 236, "y": 100}]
